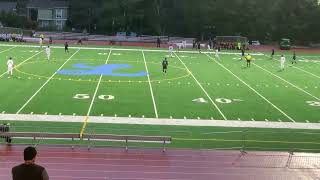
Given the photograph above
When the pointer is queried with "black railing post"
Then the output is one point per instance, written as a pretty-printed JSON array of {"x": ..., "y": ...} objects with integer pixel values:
[
  {"x": 243, "y": 150},
  {"x": 127, "y": 144}
]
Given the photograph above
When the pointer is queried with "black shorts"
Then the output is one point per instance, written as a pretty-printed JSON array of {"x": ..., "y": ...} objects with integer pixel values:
[
  {"x": 248, "y": 61},
  {"x": 165, "y": 67}
]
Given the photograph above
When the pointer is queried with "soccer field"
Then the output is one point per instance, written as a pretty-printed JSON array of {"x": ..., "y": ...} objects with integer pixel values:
[
  {"x": 100, "y": 82},
  {"x": 93, "y": 84},
  {"x": 130, "y": 83}
]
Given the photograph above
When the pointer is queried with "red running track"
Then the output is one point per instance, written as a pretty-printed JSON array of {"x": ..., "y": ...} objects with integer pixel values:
[{"x": 63, "y": 163}]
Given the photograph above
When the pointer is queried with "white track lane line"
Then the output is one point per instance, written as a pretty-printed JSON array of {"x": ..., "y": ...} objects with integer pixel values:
[
  {"x": 46, "y": 82},
  {"x": 151, "y": 90},
  {"x": 206, "y": 93},
  {"x": 264, "y": 98}
]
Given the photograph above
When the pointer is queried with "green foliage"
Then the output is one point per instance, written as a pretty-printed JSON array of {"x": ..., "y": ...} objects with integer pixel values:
[
  {"x": 257, "y": 19},
  {"x": 13, "y": 20}
]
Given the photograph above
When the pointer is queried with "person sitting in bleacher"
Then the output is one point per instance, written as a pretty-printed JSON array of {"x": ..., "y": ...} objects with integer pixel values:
[{"x": 5, "y": 128}]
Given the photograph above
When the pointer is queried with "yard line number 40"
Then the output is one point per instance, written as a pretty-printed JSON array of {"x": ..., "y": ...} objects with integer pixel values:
[
  {"x": 314, "y": 103},
  {"x": 87, "y": 96}
]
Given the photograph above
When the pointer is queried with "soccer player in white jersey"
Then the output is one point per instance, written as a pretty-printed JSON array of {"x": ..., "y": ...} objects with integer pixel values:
[
  {"x": 180, "y": 46},
  {"x": 40, "y": 42},
  {"x": 48, "y": 52},
  {"x": 217, "y": 54},
  {"x": 184, "y": 44},
  {"x": 10, "y": 66},
  {"x": 282, "y": 62},
  {"x": 171, "y": 50}
]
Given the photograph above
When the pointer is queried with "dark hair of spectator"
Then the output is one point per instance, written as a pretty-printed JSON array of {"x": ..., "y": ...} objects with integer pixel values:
[{"x": 29, "y": 153}]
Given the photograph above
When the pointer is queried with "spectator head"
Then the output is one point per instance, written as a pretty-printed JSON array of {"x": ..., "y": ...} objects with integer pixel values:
[{"x": 30, "y": 154}]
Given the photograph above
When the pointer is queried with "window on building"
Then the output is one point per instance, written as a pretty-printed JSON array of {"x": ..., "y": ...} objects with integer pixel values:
[{"x": 59, "y": 13}]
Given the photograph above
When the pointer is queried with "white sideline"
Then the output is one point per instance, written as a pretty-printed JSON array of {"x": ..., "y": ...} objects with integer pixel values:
[
  {"x": 205, "y": 92},
  {"x": 46, "y": 83},
  {"x": 128, "y": 49},
  {"x": 7, "y": 49},
  {"x": 154, "y": 121},
  {"x": 264, "y": 98},
  {"x": 151, "y": 90}
]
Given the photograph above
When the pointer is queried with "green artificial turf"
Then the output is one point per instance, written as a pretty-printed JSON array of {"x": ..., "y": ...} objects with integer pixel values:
[{"x": 231, "y": 91}]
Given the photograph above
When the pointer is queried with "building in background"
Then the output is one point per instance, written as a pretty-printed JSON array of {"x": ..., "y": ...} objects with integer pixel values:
[
  {"x": 8, "y": 7},
  {"x": 50, "y": 14}
]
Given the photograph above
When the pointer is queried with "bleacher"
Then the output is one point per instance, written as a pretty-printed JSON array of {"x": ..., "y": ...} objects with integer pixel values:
[{"x": 120, "y": 37}]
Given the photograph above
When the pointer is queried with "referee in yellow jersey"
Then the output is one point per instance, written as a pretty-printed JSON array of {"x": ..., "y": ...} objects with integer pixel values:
[{"x": 249, "y": 59}]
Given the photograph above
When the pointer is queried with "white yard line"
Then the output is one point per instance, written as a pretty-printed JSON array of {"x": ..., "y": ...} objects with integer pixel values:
[
  {"x": 127, "y": 49},
  {"x": 206, "y": 93},
  {"x": 306, "y": 72},
  {"x": 97, "y": 88},
  {"x": 293, "y": 85},
  {"x": 151, "y": 90},
  {"x": 46, "y": 82},
  {"x": 303, "y": 69},
  {"x": 264, "y": 98},
  {"x": 154, "y": 121},
  {"x": 22, "y": 62},
  {"x": 7, "y": 49}
]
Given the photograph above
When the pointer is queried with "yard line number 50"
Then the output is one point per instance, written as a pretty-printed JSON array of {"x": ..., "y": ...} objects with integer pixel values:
[{"x": 87, "y": 96}]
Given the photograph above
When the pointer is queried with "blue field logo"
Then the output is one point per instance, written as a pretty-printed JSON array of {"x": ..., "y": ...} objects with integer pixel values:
[{"x": 105, "y": 70}]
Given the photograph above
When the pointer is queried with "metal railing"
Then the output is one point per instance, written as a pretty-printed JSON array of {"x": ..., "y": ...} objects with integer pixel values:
[{"x": 40, "y": 136}]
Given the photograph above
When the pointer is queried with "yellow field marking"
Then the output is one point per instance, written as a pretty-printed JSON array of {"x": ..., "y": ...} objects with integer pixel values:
[
  {"x": 240, "y": 140},
  {"x": 188, "y": 73},
  {"x": 83, "y": 128}
]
